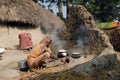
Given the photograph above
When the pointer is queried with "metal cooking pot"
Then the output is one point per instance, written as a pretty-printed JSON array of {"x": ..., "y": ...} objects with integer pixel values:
[
  {"x": 62, "y": 53},
  {"x": 75, "y": 55},
  {"x": 23, "y": 66}
]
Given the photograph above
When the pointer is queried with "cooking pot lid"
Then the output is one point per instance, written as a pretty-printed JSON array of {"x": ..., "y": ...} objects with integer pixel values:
[
  {"x": 62, "y": 50},
  {"x": 75, "y": 53},
  {"x": 64, "y": 54}
]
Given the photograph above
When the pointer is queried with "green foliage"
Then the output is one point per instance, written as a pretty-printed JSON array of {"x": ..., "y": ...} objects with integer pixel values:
[{"x": 102, "y": 10}]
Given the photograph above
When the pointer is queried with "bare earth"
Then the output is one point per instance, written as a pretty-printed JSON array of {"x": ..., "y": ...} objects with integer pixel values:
[
  {"x": 9, "y": 39},
  {"x": 9, "y": 63}
]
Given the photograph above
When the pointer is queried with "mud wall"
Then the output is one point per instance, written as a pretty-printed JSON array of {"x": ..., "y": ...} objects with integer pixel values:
[{"x": 9, "y": 36}]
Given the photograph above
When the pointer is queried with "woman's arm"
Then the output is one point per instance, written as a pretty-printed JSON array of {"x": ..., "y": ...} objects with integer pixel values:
[
  {"x": 53, "y": 57},
  {"x": 40, "y": 49},
  {"x": 48, "y": 50}
]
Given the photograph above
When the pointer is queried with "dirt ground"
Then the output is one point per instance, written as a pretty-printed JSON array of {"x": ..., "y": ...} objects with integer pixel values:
[
  {"x": 9, "y": 39},
  {"x": 9, "y": 64},
  {"x": 9, "y": 69}
]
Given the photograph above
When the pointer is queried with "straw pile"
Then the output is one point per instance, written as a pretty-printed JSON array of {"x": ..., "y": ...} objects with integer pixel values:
[
  {"x": 81, "y": 32},
  {"x": 114, "y": 38},
  {"x": 72, "y": 75},
  {"x": 39, "y": 72}
]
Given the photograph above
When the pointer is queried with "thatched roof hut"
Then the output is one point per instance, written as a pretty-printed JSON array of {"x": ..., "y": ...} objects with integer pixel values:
[
  {"x": 24, "y": 15},
  {"x": 26, "y": 12}
]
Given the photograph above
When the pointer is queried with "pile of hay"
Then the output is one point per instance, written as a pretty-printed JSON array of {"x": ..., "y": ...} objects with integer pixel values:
[
  {"x": 114, "y": 38},
  {"x": 81, "y": 32},
  {"x": 34, "y": 73},
  {"x": 72, "y": 75}
]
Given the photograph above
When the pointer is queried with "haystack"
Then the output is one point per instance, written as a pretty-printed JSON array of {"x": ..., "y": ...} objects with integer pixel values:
[
  {"x": 114, "y": 38},
  {"x": 18, "y": 16},
  {"x": 82, "y": 34}
]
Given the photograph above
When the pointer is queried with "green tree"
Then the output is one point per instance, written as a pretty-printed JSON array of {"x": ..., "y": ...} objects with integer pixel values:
[
  {"x": 102, "y": 10},
  {"x": 58, "y": 3}
]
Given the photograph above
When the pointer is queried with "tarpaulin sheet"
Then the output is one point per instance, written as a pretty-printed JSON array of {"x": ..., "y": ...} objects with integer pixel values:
[{"x": 108, "y": 25}]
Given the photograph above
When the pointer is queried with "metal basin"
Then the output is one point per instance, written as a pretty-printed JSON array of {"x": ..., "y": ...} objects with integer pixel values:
[
  {"x": 23, "y": 66},
  {"x": 75, "y": 55}
]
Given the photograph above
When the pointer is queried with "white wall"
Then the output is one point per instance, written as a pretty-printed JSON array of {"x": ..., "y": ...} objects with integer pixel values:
[{"x": 9, "y": 38}]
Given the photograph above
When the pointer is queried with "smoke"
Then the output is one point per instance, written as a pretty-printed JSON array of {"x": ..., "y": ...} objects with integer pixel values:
[
  {"x": 81, "y": 38},
  {"x": 59, "y": 44},
  {"x": 52, "y": 31},
  {"x": 80, "y": 45}
]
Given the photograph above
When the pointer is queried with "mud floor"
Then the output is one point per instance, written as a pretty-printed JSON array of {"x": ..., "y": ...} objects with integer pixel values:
[{"x": 9, "y": 64}]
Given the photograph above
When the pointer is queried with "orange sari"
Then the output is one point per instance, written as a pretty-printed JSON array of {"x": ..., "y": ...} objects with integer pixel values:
[{"x": 38, "y": 52}]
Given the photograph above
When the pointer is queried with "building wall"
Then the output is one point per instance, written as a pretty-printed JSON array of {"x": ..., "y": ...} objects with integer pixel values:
[{"x": 9, "y": 37}]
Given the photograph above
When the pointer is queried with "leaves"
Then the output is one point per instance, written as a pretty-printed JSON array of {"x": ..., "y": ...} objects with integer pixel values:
[{"x": 102, "y": 10}]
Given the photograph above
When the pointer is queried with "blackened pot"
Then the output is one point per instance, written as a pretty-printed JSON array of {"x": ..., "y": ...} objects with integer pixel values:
[
  {"x": 75, "y": 55},
  {"x": 62, "y": 53},
  {"x": 23, "y": 65}
]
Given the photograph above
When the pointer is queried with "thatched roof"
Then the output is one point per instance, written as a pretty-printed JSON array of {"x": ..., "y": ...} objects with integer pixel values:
[{"x": 26, "y": 11}]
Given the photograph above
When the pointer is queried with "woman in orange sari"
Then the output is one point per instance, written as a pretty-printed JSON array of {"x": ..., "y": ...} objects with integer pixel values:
[{"x": 40, "y": 54}]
